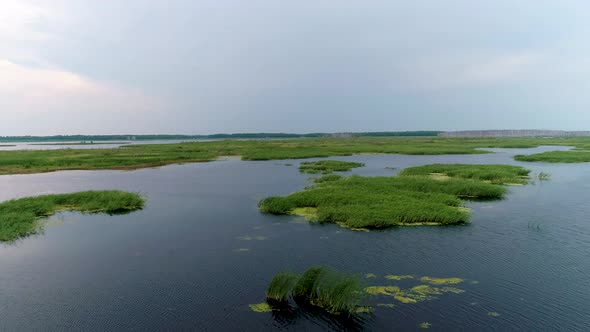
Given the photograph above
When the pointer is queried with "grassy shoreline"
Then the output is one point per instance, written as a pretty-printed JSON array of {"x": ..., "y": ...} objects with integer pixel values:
[
  {"x": 129, "y": 157},
  {"x": 21, "y": 217}
]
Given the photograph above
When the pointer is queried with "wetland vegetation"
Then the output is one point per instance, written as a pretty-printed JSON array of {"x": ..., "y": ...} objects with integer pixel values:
[
  {"x": 496, "y": 174},
  {"x": 378, "y": 202},
  {"x": 20, "y": 217},
  {"x": 146, "y": 155},
  {"x": 574, "y": 156},
  {"x": 327, "y": 166},
  {"x": 319, "y": 286}
]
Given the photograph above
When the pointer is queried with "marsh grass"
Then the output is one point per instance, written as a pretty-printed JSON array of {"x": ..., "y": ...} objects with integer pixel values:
[
  {"x": 327, "y": 166},
  {"x": 496, "y": 174},
  {"x": 147, "y": 155},
  {"x": 320, "y": 286},
  {"x": 20, "y": 217},
  {"x": 379, "y": 202},
  {"x": 281, "y": 286},
  {"x": 573, "y": 156}
]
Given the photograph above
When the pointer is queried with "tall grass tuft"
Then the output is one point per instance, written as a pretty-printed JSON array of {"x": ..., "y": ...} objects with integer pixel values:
[
  {"x": 281, "y": 286},
  {"x": 320, "y": 286}
]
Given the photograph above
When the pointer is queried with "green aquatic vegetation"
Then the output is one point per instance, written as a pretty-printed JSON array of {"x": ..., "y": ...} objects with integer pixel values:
[
  {"x": 370, "y": 275},
  {"x": 493, "y": 314},
  {"x": 386, "y": 305},
  {"x": 281, "y": 286},
  {"x": 260, "y": 307},
  {"x": 442, "y": 281},
  {"x": 496, "y": 174},
  {"x": 359, "y": 202},
  {"x": 424, "y": 325},
  {"x": 327, "y": 166},
  {"x": 574, "y": 156},
  {"x": 543, "y": 176},
  {"x": 396, "y": 277},
  {"x": 326, "y": 178},
  {"x": 363, "y": 310},
  {"x": 21, "y": 217},
  {"x": 320, "y": 286},
  {"x": 413, "y": 295}
]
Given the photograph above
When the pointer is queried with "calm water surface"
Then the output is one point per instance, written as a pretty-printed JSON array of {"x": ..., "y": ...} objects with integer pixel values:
[{"x": 181, "y": 263}]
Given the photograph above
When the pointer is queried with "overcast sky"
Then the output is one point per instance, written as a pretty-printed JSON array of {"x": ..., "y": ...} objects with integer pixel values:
[{"x": 199, "y": 67}]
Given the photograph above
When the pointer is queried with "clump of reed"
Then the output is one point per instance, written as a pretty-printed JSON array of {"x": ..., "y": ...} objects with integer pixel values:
[
  {"x": 327, "y": 166},
  {"x": 20, "y": 217},
  {"x": 320, "y": 286},
  {"x": 543, "y": 176},
  {"x": 281, "y": 286}
]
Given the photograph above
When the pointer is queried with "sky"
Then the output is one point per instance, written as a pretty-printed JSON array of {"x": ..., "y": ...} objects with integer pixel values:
[{"x": 203, "y": 67}]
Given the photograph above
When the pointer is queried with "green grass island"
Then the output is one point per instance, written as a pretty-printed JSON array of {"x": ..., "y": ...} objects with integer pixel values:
[
  {"x": 423, "y": 195},
  {"x": 23, "y": 217}
]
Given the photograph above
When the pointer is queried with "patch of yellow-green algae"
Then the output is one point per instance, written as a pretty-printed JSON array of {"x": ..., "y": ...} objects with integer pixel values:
[
  {"x": 370, "y": 275},
  {"x": 424, "y": 325},
  {"x": 309, "y": 213},
  {"x": 363, "y": 310},
  {"x": 493, "y": 314},
  {"x": 260, "y": 307},
  {"x": 386, "y": 305},
  {"x": 413, "y": 295},
  {"x": 400, "y": 277},
  {"x": 441, "y": 281}
]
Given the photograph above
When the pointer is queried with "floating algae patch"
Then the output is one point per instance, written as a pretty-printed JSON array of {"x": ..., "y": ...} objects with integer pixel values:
[
  {"x": 396, "y": 277},
  {"x": 442, "y": 281},
  {"x": 413, "y": 295},
  {"x": 370, "y": 275},
  {"x": 327, "y": 166},
  {"x": 252, "y": 238},
  {"x": 386, "y": 305},
  {"x": 397, "y": 293},
  {"x": 260, "y": 307},
  {"x": 424, "y": 325},
  {"x": 363, "y": 310},
  {"x": 493, "y": 314},
  {"x": 453, "y": 290},
  {"x": 308, "y": 213}
]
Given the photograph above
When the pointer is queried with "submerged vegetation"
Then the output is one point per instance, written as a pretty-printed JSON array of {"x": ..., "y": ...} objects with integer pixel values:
[
  {"x": 497, "y": 174},
  {"x": 377, "y": 202},
  {"x": 147, "y": 155},
  {"x": 319, "y": 286},
  {"x": 20, "y": 217},
  {"x": 327, "y": 166}
]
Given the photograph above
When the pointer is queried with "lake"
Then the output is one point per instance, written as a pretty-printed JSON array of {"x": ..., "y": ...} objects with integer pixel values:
[{"x": 200, "y": 253}]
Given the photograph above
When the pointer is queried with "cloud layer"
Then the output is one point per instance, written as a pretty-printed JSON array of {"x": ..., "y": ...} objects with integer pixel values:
[{"x": 181, "y": 66}]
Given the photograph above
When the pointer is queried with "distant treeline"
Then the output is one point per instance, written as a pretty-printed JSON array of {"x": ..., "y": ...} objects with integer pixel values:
[{"x": 89, "y": 138}]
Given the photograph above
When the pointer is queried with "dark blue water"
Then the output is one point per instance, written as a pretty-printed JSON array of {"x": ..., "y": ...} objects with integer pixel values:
[{"x": 177, "y": 264}]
